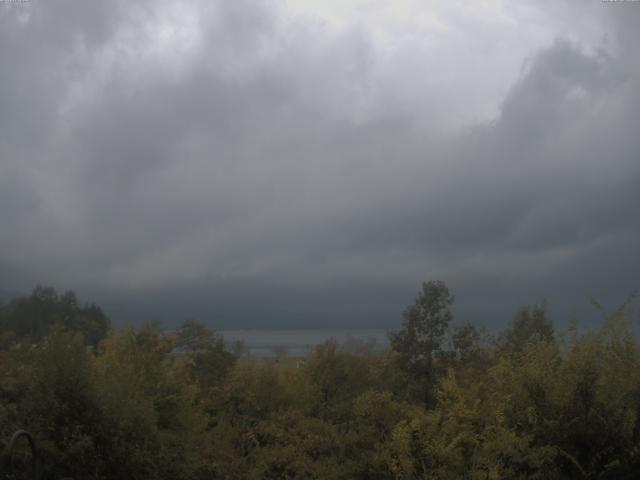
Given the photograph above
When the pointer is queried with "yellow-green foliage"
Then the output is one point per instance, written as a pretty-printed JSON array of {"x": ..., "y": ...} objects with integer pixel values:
[{"x": 149, "y": 405}]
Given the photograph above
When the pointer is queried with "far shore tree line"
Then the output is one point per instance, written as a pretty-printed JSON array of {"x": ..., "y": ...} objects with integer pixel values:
[{"x": 445, "y": 400}]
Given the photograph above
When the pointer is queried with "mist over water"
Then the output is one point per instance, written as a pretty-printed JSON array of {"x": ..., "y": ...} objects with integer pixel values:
[{"x": 300, "y": 342}]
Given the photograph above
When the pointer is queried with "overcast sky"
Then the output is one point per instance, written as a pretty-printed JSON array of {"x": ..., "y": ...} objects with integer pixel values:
[{"x": 269, "y": 164}]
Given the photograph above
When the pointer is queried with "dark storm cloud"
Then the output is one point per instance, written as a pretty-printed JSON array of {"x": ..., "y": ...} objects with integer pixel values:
[{"x": 231, "y": 161}]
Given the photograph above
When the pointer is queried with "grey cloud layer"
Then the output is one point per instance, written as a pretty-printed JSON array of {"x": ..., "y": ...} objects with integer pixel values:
[{"x": 233, "y": 162}]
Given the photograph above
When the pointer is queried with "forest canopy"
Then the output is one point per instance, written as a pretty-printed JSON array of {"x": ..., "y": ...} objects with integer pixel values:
[{"x": 446, "y": 400}]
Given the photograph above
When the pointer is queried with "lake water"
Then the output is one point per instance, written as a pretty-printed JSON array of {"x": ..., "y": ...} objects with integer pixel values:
[{"x": 300, "y": 342}]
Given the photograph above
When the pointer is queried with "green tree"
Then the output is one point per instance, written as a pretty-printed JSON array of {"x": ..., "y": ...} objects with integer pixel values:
[
  {"x": 47, "y": 390},
  {"x": 337, "y": 378},
  {"x": 420, "y": 341},
  {"x": 208, "y": 361},
  {"x": 30, "y": 319},
  {"x": 151, "y": 427},
  {"x": 530, "y": 324}
]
